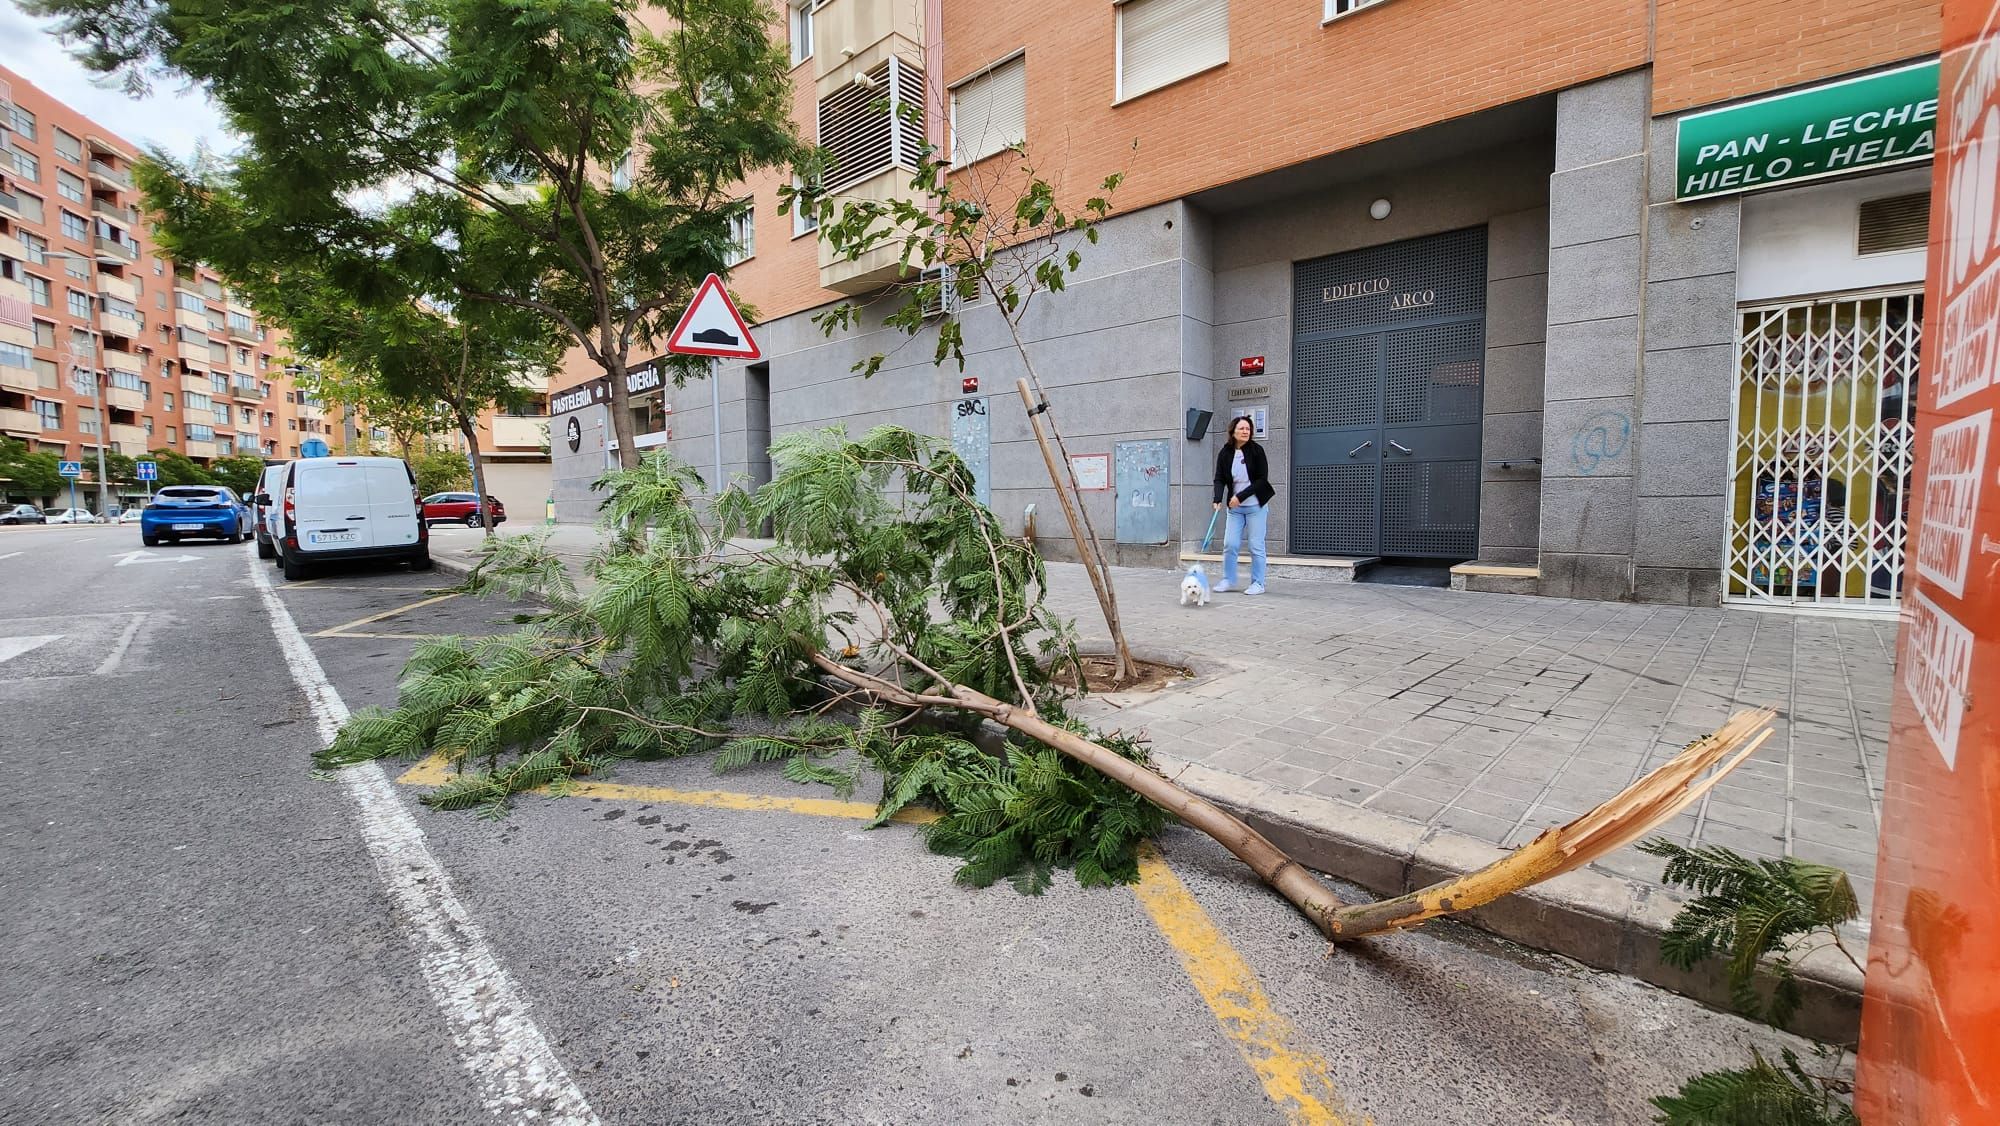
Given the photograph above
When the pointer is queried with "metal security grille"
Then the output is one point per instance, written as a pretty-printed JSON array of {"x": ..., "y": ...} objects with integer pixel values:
[
  {"x": 1388, "y": 375},
  {"x": 1819, "y": 488}
]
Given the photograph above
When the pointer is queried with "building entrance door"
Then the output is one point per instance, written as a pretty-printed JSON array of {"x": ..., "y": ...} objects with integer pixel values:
[{"x": 1388, "y": 364}]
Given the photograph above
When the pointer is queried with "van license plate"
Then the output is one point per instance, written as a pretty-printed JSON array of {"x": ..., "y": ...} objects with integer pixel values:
[
  {"x": 190, "y": 527},
  {"x": 330, "y": 537}
]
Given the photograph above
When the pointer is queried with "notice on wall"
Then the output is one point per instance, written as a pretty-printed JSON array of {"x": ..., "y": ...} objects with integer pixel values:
[
  {"x": 1929, "y": 1045},
  {"x": 1092, "y": 471},
  {"x": 1875, "y": 121}
]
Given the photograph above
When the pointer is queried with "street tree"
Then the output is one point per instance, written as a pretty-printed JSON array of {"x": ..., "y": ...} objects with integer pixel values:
[
  {"x": 1000, "y": 232},
  {"x": 176, "y": 468},
  {"x": 555, "y": 157},
  {"x": 30, "y": 473},
  {"x": 239, "y": 472}
]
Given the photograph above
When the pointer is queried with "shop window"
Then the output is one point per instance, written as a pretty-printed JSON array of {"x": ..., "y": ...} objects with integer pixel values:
[
  {"x": 1163, "y": 41},
  {"x": 989, "y": 112},
  {"x": 1819, "y": 488}
]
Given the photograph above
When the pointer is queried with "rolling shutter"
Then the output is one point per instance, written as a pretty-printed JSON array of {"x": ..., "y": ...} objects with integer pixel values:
[
  {"x": 1161, "y": 41},
  {"x": 990, "y": 112}
]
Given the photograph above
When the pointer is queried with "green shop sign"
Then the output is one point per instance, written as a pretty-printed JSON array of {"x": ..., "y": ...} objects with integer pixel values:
[{"x": 1870, "y": 122}]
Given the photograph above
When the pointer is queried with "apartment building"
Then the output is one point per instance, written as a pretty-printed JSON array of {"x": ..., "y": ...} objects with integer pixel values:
[
  {"x": 106, "y": 344},
  {"x": 1605, "y": 299}
]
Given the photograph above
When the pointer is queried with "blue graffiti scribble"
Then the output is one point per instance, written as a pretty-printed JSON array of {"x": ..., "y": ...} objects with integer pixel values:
[{"x": 1602, "y": 437}]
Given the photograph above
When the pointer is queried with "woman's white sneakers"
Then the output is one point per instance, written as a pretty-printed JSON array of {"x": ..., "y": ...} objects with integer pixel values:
[{"x": 1254, "y": 588}]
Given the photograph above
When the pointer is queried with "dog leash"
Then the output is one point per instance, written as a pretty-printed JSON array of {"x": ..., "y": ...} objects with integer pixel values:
[{"x": 1217, "y": 515}]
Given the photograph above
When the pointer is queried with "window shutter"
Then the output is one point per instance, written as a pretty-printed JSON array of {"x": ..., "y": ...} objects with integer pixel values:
[
  {"x": 1164, "y": 40},
  {"x": 990, "y": 112}
]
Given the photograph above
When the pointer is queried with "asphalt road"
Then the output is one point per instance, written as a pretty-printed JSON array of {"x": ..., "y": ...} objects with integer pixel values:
[{"x": 195, "y": 928}]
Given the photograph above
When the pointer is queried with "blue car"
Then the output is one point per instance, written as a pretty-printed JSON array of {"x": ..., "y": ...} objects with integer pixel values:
[{"x": 180, "y": 511}]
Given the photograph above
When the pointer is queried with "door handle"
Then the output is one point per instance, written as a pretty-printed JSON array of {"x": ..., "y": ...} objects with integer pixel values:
[
  {"x": 357, "y": 517},
  {"x": 1400, "y": 447},
  {"x": 1361, "y": 447}
]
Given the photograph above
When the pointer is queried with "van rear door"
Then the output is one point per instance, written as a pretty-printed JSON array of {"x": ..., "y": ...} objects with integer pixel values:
[
  {"x": 331, "y": 505},
  {"x": 392, "y": 503}
]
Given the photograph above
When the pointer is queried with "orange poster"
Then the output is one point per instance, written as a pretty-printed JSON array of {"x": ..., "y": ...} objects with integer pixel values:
[{"x": 1930, "y": 1037}]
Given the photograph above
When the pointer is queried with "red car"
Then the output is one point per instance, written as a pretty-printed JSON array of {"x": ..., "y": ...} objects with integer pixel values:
[{"x": 461, "y": 508}]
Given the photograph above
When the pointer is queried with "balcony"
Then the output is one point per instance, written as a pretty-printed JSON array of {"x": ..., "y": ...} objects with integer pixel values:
[
  {"x": 246, "y": 333},
  {"x": 872, "y": 132},
  {"x": 112, "y": 213},
  {"x": 109, "y": 250},
  {"x": 197, "y": 382},
  {"x": 23, "y": 380},
  {"x": 247, "y": 392},
  {"x": 108, "y": 177},
  {"x": 19, "y": 423},
  {"x": 193, "y": 352},
  {"x": 520, "y": 432},
  {"x": 10, "y": 205},
  {"x": 118, "y": 359},
  {"x": 111, "y": 285},
  {"x": 855, "y": 37},
  {"x": 128, "y": 439},
  {"x": 124, "y": 398},
  {"x": 194, "y": 447}
]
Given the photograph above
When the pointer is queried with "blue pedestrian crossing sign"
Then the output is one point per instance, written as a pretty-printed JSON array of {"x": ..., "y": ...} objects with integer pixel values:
[
  {"x": 314, "y": 447},
  {"x": 69, "y": 468},
  {"x": 147, "y": 470}
]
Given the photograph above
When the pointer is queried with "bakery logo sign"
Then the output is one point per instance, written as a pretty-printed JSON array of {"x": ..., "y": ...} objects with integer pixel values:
[{"x": 639, "y": 380}]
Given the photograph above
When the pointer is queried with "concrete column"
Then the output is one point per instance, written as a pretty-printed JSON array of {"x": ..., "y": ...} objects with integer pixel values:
[{"x": 1591, "y": 441}]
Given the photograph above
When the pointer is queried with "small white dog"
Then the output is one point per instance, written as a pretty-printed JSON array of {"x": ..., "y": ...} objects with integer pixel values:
[{"x": 1194, "y": 586}]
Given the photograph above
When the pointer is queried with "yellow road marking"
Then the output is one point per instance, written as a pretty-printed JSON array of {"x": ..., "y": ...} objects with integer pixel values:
[
  {"x": 1294, "y": 1076},
  {"x": 341, "y": 630}
]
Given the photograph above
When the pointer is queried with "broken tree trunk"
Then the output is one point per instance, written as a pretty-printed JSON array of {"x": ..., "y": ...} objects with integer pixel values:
[{"x": 1627, "y": 816}]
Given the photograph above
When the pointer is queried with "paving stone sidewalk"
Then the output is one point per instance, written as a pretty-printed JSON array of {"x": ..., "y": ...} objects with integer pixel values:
[{"x": 1498, "y": 715}]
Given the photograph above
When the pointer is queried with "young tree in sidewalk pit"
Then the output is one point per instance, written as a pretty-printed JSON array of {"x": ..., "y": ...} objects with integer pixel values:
[
  {"x": 406, "y": 423},
  {"x": 440, "y": 470},
  {"x": 999, "y": 234},
  {"x": 496, "y": 126}
]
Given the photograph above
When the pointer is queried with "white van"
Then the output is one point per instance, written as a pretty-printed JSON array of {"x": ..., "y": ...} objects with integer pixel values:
[
  {"x": 270, "y": 484},
  {"x": 339, "y": 508}
]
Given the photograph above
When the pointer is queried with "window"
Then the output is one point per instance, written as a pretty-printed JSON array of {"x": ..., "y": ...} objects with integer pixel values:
[
  {"x": 38, "y": 290},
  {"x": 24, "y": 122},
  {"x": 195, "y": 401},
  {"x": 117, "y": 307},
  {"x": 270, "y": 419},
  {"x": 295, "y": 451},
  {"x": 86, "y": 419},
  {"x": 36, "y": 246},
  {"x": 79, "y": 304},
  {"x": 222, "y": 414},
  {"x": 802, "y": 30},
  {"x": 82, "y": 345},
  {"x": 25, "y": 163},
  {"x": 243, "y": 356},
  {"x": 45, "y": 374},
  {"x": 166, "y": 400},
  {"x": 76, "y": 267},
  {"x": 172, "y": 436},
  {"x": 804, "y": 222},
  {"x": 240, "y": 323},
  {"x": 1338, "y": 8},
  {"x": 50, "y": 414},
  {"x": 68, "y": 147},
  {"x": 69, "y": 186},
  {"x": 742, "y": 235},
  {"x": 16, "y": 356},
  {"x": 200, "y": 432},
  {"x": 192, "y": 302},
  {"x": 989, "y": 111},
  {"x": 129, "y": 380},
  {"x": 149, "y": 428},
  {"x": 45, "y": 334},
  {"x": 249, "y": 416},
  {"x": 74, "y": 228},
  {"x": 30, "y": 207},
  {"x": 1163, "y": 41},
  {"x": 219, "y": 382},
  {"x": 291, "y": 424},
  {"x": 621, "y": 172}
]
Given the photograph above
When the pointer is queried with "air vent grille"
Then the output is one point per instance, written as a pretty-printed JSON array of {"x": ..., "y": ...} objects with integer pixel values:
[{"x": 1892, "y": 223}]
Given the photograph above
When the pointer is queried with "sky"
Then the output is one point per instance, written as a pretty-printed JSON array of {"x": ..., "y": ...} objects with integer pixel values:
[{"x": 168, "y": 117}]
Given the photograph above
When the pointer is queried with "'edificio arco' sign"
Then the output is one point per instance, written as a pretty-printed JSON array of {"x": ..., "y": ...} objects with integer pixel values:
[{"x": 1874, "y": 121}]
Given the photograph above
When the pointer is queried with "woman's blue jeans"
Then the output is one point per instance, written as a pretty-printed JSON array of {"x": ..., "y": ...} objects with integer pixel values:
[{"x": 1246, "y": 521}]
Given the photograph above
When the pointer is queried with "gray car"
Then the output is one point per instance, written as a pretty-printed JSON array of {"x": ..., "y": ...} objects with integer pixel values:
[{"x": 21, "y": 514}]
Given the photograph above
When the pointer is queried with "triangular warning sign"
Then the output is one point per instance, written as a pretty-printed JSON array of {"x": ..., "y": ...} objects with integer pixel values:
[{"x": 713, "y": 327}]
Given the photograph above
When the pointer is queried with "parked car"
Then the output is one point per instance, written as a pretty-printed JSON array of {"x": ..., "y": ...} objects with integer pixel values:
[
  {"x": 69, "y": 516},
  {"x": 341, "y": 508},
  {"x": 271, "y": 483},
  {"x": 462, "y": 508},
  {"x": 21, "y": 514},
  {"x": 131, "y": 515},
  {"x": 178, "y": 511}
]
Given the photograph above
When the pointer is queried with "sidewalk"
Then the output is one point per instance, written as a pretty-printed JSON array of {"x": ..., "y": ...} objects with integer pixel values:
[{"x": 1467, "y": 717}]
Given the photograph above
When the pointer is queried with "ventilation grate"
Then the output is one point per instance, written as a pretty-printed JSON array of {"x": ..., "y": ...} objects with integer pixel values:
[{"x": 1892, "y": 223}]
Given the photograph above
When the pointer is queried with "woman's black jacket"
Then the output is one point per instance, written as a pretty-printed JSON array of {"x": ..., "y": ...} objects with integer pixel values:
[{"x": 1254, "y": 461}]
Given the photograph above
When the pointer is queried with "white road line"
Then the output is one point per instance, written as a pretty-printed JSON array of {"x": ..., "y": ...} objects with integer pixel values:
[
  {"x": 110, "y": 664},
  {"x": 518, "y": 1075},
  {"x": 10, "y": 555},
  {"x": 12, "y": 647}
]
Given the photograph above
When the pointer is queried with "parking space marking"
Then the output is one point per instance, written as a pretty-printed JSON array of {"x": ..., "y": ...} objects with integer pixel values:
[
  {"x": 110, "y": 664},
  {"x": 1293, "y": 1075},
  {"x": 348, "y": 629},
  {"x": 517, "y": 1074},
  {"x": 12, "y": 647}
]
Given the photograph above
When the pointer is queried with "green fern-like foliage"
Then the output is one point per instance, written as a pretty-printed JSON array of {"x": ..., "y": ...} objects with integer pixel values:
[
  {"x": 682, "y": 644},
  {"x": 1763, "y": 1094},
  {"x": 1751, "y": 912}
]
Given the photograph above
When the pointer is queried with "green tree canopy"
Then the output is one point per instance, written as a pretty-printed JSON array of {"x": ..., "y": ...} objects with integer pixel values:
[
  {"x": 468, "y": 143},
  {"x": 239, "y": 472},
  {"x": 177, "y": 469},
  {"x": 25, "y": 472}
]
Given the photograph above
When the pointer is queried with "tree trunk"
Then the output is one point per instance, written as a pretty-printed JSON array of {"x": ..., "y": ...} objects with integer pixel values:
[
  {"x": 1284, "y": 874},
  {"x": 1082, "y": 533},
  {"x": 469, "y": 427},
  {"x": 621, "y": 410}
]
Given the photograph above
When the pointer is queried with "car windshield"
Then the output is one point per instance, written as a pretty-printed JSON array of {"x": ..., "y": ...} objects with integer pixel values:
[{"x": 55, "y": 511}]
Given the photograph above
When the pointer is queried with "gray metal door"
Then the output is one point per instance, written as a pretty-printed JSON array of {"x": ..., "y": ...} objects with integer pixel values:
[{"x": 1388, "y": 367}]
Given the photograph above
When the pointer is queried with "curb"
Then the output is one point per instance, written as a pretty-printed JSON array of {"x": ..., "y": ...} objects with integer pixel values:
[{"x": 1602, "y": 920}]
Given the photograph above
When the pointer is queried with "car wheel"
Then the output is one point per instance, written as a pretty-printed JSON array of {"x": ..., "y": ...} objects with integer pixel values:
[
  {"x": 264, "y": 548},
  {"x": 472, "y": 520},
  {"x": 420, "y": 559},
  {"x": 291, "y": 566},
  {"x": 149, "y": 539}
]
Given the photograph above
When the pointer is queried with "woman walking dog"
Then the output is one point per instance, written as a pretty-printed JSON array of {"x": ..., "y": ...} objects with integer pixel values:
[{"x": 1242, "y": 476}]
